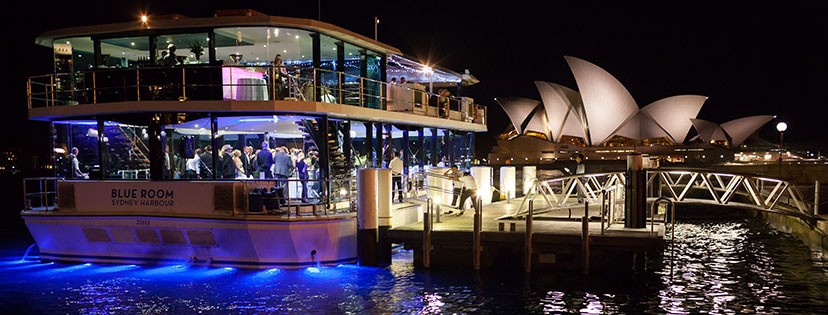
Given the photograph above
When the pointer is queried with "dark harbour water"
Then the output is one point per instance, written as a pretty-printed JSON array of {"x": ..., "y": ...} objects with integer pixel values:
[{"x": 735, "y": 266}]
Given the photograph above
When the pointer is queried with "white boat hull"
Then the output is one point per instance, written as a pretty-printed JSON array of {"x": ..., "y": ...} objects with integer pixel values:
[{"x": 219, "y": 242}]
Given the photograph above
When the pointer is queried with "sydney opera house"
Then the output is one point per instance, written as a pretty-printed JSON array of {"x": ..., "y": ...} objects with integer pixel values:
[{"x": 602, "y": 121}]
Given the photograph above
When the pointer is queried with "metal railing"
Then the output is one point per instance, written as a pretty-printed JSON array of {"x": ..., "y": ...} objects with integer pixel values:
[
  {"x": 681, "y": 185},
  {"x": 242, "y": 83},
  {"x": 40, "y": 193},
  {"x": 321, "y": 195}
]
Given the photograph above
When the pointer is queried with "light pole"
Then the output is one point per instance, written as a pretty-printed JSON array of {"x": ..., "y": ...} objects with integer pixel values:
[
  {"x": 430, "y": 73},
  {"x": 781, "y": 127},
  {"x": 376, "y": 23}
]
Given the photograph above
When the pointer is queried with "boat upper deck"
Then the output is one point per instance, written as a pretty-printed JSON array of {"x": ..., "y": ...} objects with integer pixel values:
[{"x": 247, "y": 62}]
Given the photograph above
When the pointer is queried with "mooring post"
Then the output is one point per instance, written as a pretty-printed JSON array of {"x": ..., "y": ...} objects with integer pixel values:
[
  {"x": 373, "y": 203},
  {"x": 438, "y": 211},
  {"x": 427, "y": 233},
  {"x": 635, "y": 210},
  {"x": 585, "y": 236},
  {"x": 604, "y": 202},
  {"x": 528, "y": 258},
  {"x": 816, "y": 198},
  {"x": 478, "y": 213}
]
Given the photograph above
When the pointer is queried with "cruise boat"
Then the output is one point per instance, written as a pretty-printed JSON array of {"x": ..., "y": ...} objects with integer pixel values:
[{"x": 146, "y": 116}]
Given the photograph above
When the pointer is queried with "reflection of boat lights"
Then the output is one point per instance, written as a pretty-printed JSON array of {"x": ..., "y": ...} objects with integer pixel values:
[{"x": 266, "y": 119}]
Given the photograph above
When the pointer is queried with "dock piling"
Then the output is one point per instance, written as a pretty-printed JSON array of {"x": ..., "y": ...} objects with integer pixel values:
[
  {"x": 528, "y": 258},
  {"x": 478, "y": 226},
  {"x": 427, "y": 233},
  {"x": 816, "y": 198},
  {"x": 585, "y": 237}
]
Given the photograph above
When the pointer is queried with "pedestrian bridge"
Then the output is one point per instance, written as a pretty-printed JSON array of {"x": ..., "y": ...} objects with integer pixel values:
[{"x": 681, "y": 186}]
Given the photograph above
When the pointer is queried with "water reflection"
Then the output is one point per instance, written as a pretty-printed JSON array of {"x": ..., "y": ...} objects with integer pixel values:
[{"x": 735, "y": 266}]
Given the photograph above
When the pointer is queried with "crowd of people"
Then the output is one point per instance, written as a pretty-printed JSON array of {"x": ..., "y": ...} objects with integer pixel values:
[{"x": 279, "y": 163}]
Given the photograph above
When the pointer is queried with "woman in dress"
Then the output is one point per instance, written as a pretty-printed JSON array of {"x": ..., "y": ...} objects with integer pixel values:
[{"x": 239, "y": 165}]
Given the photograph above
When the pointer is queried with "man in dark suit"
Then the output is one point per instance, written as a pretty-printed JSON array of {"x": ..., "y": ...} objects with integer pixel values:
[
  {"x": 265, "y": 160},
  {"x": 228, "y": 167},
  {"x": 207, "y": 162},
  {"x": 245, "y": 159}
]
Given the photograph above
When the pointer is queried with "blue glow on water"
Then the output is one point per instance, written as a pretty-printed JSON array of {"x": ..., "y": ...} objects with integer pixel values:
[
  {"x": 111, "y": 269},
  {"x": 30, "y": 265},
  {"x": 739, "y": 273},
  {"x": 264, "y": 275},
  {"x": 66, "y": 269}
]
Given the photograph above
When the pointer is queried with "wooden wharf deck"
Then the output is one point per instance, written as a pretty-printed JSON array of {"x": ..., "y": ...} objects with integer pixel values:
[{"x": 557, "y": 241}]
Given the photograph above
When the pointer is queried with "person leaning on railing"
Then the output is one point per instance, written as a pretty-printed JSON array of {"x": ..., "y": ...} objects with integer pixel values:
[
  {"x": 443, "y": 101},
  {"x": 469, "y": 190}
]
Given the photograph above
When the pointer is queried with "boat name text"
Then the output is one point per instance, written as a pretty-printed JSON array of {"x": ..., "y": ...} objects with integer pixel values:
[{"x": 143, "y": 197}]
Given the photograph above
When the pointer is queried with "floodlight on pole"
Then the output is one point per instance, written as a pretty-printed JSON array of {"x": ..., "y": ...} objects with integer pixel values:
[
  {"x": 781, "y": 127},
  {"x": 376, "y": 24},
  {"x": 430, "y": 73}
]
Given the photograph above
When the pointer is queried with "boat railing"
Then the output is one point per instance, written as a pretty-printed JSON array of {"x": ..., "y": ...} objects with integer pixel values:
[
  {"x": 319, "y": 196},
  {"x": 40, "y": 193},
  {"x": 245, "y": 83}
]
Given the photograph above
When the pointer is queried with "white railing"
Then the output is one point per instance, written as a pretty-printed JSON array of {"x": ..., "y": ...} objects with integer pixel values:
[{"x": 680, "y": 185}]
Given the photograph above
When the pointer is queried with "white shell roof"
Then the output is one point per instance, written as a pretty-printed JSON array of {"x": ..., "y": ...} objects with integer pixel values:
[
  {"x": 673, "y": 114},
  {"x": 518, "y": 109},
  {"x": 538, "y": 123},
  {"x": 607, "y": 102},
  {"x": 708, "y": 130},
  {"x": 740, "y": 129},
  {"x": 604, "y": 108}
]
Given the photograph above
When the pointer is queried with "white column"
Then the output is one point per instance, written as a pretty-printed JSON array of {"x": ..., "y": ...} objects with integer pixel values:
[
  {"x": 483, "y": 178},
  {"x": 507, "y": 181},
  {"x": 529, "y": 175},
  {"x": 373, "y": 197}
]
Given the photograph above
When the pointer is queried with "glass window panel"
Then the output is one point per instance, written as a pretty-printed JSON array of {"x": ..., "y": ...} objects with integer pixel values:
[
  {"x": 126, "y": 52},
  {"x": 80, "y": 134},
  {"x": 73, "y": 54},
  {"x": 259, "y": 45},
  {"x": 181, "y": 49},
  {"x": 327, "y": 48},
  {"x": 127, "y": 151},
  {"x": 73, "y": 59},
  {"x": 189, "y": 137}
]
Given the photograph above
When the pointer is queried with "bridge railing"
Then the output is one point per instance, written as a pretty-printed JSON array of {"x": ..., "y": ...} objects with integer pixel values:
[
  {"x": 612, "y": 206},
  {"x": 767, "y": 194},
  {"x": 558, "y": 192},
  {"x": 679, "y": 185}
]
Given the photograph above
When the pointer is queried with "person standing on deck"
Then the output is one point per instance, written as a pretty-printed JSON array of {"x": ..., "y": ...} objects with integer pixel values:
[{"x": 396, "y": 166}]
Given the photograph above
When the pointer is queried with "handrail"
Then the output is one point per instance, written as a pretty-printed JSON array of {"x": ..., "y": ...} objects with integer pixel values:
[
  {"x": 47, "y": 199},
  {"x": 182, "y": 83},
  {"x": 755, "y": 191}
]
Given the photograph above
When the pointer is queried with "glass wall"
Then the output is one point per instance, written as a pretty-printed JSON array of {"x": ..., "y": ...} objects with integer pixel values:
[
  {"x": 252, "y": 48},
  {"x": 73, "y": 61},
  {"x": 82, "y": 136},
  {"x": 360, "y": 147},
  {"x": 328, "y": 87},
  {"x": 373, "y": 88},
  {"x": 74, "y": 54},
  {"x": 352, "y": 67},
  {"x": 260, "y": 45},
  {"x": 181, "y": 49},
  {"x": 188, "y": 147},
  {"x": 124, "y": 52},
  {"x": 126, "y": 150}
]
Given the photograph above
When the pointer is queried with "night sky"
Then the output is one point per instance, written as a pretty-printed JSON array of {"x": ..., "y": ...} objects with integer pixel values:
[{"x": 749, "y": 59}]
